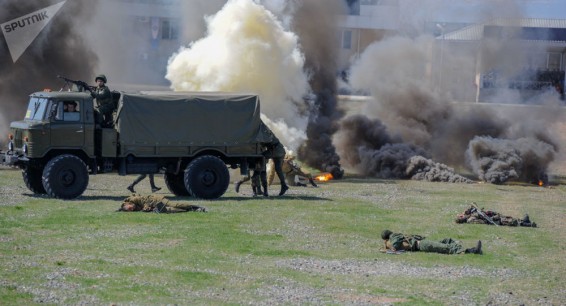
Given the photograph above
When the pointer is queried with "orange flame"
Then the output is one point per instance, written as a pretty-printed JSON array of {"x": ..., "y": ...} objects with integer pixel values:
[
  {"x": 324, "y": 177},
  {"x": 540, "y": 183}
]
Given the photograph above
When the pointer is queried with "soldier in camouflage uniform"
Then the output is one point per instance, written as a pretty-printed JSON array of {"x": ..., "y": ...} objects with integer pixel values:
[
  {"x": 156, "y": 203},
  {"x": 258, "y": 172},
  {"x": 416, "y": 243},
  {"x": 291, "y": 170},
  {"x": 104, "y": 102},
  {"x": 276, "y": 151},
  {"x": 475, "y": 215}
]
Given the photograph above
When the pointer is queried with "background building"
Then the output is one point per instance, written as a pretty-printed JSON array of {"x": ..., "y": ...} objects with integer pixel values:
[{"x": 507, "y": 60}]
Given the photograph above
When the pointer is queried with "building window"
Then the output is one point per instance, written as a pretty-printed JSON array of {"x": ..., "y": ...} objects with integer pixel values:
[
  {"x": 353, "y": 7},
  {"x": 347, "y": 39},
  {"x": 169, "y": 29},
  {"x": 554, "y": 61}
]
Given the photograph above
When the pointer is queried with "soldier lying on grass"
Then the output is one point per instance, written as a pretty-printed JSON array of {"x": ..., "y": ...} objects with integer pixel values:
[
  {"x": 479, "y": 216},
  {"x": 156, "y": 203},
  {"x": 415, "y": 243}
]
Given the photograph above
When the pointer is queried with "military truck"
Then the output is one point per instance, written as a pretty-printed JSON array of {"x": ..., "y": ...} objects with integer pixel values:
[{"x": 191, "y": 137}]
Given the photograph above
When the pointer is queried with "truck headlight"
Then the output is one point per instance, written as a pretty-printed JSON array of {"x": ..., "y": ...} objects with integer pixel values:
[
  {"x": 25, "y": 149},
  {"x": 10, "y": 146}
]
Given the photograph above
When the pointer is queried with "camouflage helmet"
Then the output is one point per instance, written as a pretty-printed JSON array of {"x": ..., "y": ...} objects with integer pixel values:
[
  {"x": 461, "y": 218},
  {"x": 289, "y": 155},
  {"x": 385, "y": 234},
  {"x": 100, "y": 76}
]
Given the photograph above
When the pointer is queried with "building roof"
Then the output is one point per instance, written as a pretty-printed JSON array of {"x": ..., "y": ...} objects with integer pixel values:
[{"x": 477, "y": 31}]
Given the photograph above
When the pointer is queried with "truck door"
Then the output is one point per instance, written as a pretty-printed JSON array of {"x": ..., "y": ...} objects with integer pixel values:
[{"x": 67, "y": 127}]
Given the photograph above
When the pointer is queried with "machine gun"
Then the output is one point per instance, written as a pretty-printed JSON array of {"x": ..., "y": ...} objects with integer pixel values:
[
  {"x": 81, "y": 85},
  {"x": 482, "y": 214}
]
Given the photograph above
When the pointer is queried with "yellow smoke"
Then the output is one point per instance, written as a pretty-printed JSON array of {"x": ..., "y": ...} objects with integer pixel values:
[{"x": 248, "y": 50}]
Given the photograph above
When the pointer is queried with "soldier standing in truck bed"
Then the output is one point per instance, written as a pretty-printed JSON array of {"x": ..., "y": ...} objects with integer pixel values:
[{"x": 104, "y": 102}]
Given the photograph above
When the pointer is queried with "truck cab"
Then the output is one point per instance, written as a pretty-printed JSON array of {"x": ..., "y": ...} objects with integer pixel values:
[{"x": 54, "y": 121}]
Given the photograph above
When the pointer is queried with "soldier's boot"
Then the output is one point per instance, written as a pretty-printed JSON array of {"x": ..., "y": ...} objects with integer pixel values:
[
  {"x": 263, "y": 179},
  {"x": 155, "y": 189},
  {"x": 135, "y": 182},
  {"x": 152, "y": 183},
  {"x": 258, "y": 190},
  {"x": 255, "y": 190},
  {"x": 312, "y": 182},
  {"x": 237, "y": 186},
  {"x": 526, "y": 221},
  {"x": 284, "y": 189},
  {"x": 475, "y": 250}
]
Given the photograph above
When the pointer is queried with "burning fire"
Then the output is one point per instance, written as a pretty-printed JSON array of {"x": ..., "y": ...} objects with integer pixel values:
[
  {"x": 540, "y": 183},
  {"x": 324, "y": 177}
]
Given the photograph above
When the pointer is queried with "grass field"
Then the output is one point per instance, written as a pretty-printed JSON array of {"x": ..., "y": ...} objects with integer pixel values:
[{"x": 312, "y": 246}]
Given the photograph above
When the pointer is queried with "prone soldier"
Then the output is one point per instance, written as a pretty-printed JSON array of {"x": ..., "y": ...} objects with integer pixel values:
[
  {"x": 476, "y": 215},
  {"x": 156, "y": 203},
  {"x": 291, "y": 169},
  {"x": 415, "y": 243}
]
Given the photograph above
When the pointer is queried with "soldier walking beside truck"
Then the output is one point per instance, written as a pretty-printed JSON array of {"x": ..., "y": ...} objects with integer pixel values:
[
  {"x": 276, "y": 151},
  {"x": 257, "y": 177},
  {"x": 140, "y": 178}
]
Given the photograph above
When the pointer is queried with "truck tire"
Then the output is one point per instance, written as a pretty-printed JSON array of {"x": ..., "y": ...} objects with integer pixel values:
[
  {"x": 207, "y": 177},
  {"x": 32, "y": 179},
  {"x": 176, "y": 184},
  {"x": 65, "y": 177}
]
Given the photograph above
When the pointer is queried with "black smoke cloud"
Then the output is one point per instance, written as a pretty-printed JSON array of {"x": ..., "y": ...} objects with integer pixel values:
[
  {"x": 315, "y": 23},
  {"x": 367, "y": 144},
  {"x": 500, "y": 160},
  {"x": 60, "y": 49},
  {"x": 404, "y": 100}
]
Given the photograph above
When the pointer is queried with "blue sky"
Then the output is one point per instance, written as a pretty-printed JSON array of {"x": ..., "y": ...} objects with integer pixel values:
[{"x": 555, "y": 9}]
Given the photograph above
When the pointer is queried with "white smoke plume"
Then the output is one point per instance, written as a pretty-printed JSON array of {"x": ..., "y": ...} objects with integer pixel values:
[{"x": 247, "y": 49}]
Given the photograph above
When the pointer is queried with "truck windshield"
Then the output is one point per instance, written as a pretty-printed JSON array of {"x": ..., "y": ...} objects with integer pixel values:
[{"x": 36, "y": 108}]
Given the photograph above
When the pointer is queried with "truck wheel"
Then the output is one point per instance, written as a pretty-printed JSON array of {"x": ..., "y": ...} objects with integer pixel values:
[
  {"x": 176, "y": 184},
  {"x": 207, "y": 177},
  {"x": 32, "y": 178},
  {"x": 65, "y": 177}
]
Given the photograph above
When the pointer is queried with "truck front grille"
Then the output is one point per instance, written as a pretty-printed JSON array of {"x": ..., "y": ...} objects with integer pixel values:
[{"x": 18, "y": 141}]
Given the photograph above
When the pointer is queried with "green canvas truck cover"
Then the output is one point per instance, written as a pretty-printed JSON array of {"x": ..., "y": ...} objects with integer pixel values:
[{"x": 188, "y": 119}]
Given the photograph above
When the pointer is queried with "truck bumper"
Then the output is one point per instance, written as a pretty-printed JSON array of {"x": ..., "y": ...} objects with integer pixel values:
[{"x": 9, "y": 158}]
